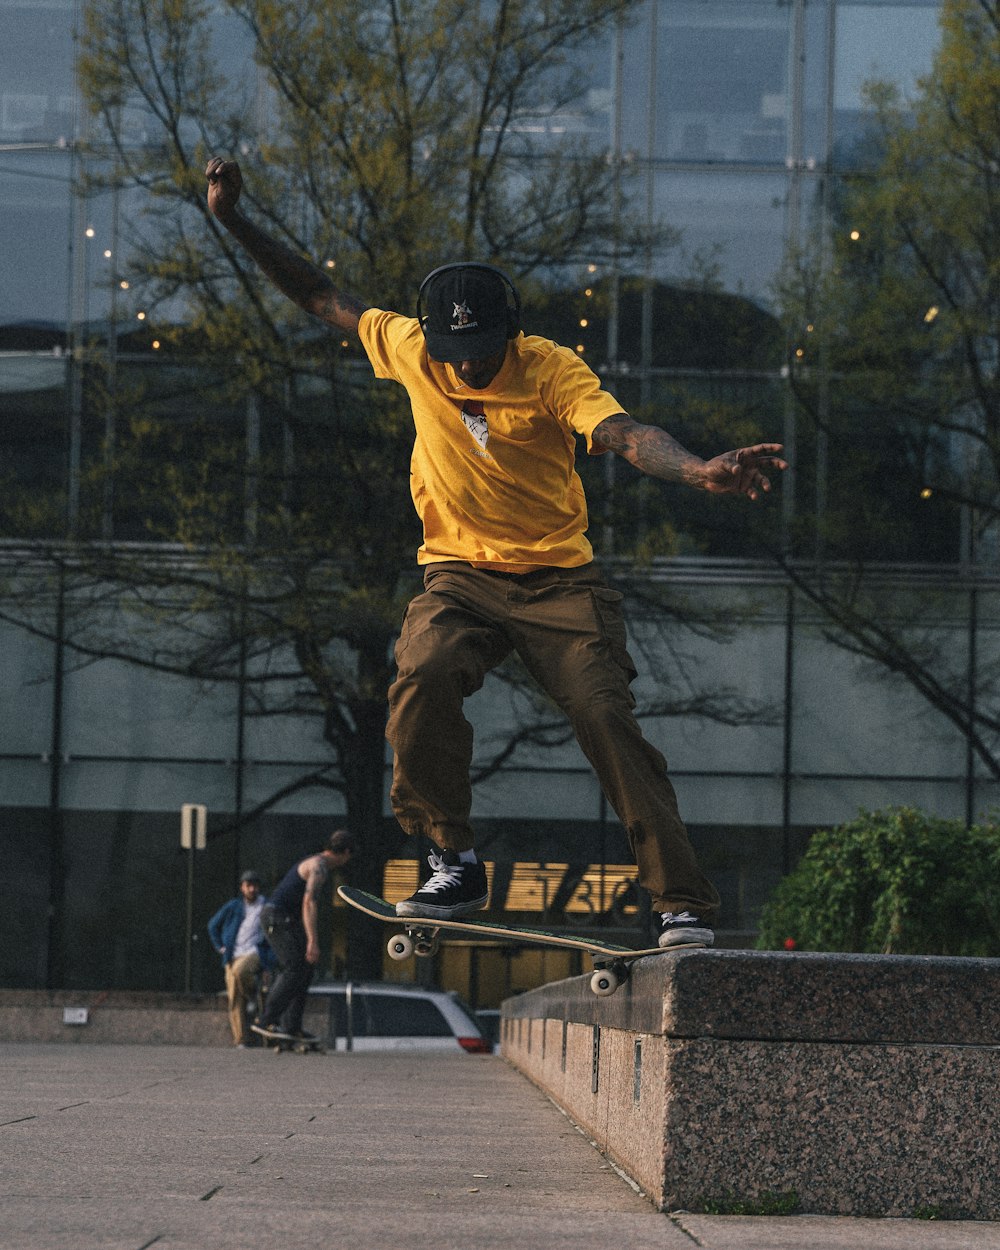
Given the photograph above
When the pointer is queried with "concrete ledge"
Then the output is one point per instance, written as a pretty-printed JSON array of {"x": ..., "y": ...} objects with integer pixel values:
[
  {"x": 845, "y": 1084},
  {"x": 114, "y": 1016}
]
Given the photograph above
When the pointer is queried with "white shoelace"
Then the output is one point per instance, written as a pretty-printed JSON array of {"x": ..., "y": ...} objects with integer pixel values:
[
  {"x": 678, "y": 917},
  {"x": 443, "y": 875}
]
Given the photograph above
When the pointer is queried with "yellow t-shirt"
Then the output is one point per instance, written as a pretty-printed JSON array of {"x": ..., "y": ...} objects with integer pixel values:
[{"x": 492, "y": 472}]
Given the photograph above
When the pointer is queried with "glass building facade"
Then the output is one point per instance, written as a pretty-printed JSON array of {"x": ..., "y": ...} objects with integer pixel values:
[
  {"x": 730, "y": 122},
  {"x": 734, "y": 110},
  {"x": 731, "y": 119}
]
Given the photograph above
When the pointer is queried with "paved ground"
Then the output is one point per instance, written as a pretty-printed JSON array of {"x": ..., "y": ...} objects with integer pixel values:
[{"x": 185, "y": 1148}]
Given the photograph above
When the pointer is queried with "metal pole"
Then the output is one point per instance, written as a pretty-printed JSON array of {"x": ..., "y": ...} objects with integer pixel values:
[
  {"x": 79, "y": 316},
  {"x": 786, "y": 761},
  {"x": 973, "y": 663},
  {"x": 793, "y": 229},
  {"x": 241, "y": 714},
  {"x": 111, "y": 389},
  {"x": 194, "y": 827},
  {"x": 823, "y": 398},
  {"x": 646, "y": 332},
  {"x": 645, "y": 386},
  {"x": 251, "y": 501},
  {"x": 617, "y": 74},
  {"x": 189, "y": 920},
  {"x": 55, "y": 953}
]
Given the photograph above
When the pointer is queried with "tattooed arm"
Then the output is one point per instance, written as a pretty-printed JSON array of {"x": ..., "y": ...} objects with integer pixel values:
[
  {"x": 292, "y": 274},
  {"x": 653, "y": 451},
  {"x": 315, "y": 872}
]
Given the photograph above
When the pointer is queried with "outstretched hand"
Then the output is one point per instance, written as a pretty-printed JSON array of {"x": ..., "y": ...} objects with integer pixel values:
[
  {"x": 225, "y": 182},
  {"x": 744, "y": 471}
]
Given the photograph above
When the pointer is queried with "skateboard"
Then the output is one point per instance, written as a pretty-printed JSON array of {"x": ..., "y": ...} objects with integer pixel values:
[
  {"x": 420, "y": 937},
  {"x": 281, "y": 1042}
]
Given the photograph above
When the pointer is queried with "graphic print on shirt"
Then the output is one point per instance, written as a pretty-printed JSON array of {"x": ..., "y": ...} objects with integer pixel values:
[{"x": 474, "y": 420}]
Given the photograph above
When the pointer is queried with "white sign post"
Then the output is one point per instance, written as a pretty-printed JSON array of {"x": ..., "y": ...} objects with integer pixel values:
[
  {"x": 194, "y": 822},
  {"x": 194, "y": 826}
]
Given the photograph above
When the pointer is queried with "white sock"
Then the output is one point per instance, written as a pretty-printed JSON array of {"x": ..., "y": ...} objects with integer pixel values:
[{"x": 467, "y": 857}]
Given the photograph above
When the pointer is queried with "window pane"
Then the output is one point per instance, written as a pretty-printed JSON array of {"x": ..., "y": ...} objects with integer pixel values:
[
  {"x": 732, "y": 222},
  {"x": 32, "y": 439},
  {"x": 36, "y": 72},
  {"x": 34, "y": 236},
  {"x": 721, "y": 81},
  {"x": 892, "y": 43},
  {"x": 402, "y": 1016}
]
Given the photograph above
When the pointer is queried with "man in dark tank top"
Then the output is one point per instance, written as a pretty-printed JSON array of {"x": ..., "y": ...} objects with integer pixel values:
[{"x": 290, "y": 920}]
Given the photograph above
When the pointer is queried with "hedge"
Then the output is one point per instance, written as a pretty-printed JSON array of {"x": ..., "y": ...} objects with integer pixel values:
[{"x": 895, "y": 881}]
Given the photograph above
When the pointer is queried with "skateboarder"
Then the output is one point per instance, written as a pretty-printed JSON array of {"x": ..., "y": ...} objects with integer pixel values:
[
  {"x": 291, "y": 919},
  {"x": 507, "y": 564},
  {"x": 235, "y": 932}
]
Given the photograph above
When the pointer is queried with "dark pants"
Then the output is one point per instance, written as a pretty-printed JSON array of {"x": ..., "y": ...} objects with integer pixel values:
[
  {"x": 567, "y": 627},
  {"x": 286, "y": 999}
]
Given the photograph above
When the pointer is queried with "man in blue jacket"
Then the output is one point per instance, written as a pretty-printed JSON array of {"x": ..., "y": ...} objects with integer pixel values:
[{"x": 237, "y": 935}]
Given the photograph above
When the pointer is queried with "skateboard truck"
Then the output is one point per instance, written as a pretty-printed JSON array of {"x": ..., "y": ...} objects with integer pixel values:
[
  {"x": 423, "y": 940},
  {"x": 608, "y": 975},
  {"x": 416, "y": 939}
]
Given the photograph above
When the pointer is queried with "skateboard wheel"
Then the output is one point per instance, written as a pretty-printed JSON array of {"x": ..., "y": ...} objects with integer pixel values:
[
  {"x": 400, "y": 946},
  {"x": 604, "y": 982}
]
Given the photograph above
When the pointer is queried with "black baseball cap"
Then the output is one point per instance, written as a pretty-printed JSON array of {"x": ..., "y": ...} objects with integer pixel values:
[{"x": 465, "y": 315}]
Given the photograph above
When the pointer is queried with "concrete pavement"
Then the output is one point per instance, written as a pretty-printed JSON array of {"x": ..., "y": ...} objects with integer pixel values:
[{"x": 194, "y": 1148}]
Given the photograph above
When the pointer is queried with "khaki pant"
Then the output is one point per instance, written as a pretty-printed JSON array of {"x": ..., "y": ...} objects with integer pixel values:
[
  {"x": 567, "y": 627},
  {"x": 241, "y": 987}
]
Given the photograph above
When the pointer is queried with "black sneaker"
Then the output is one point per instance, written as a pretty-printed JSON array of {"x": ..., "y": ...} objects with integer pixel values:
[
  {"x": 678, "y": 927},
  {"x": 454, "y": 889}
]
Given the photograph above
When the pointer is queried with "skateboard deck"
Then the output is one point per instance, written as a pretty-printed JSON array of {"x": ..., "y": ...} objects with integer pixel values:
[
  {"x": 281, "y": 1042},
  {"x": 421, "y": 933}
]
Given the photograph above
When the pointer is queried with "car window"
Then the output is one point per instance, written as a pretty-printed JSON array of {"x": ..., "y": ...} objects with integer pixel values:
[
  {"x": 395, "y": 1016},
  {"x": 386, "y": 1015}
]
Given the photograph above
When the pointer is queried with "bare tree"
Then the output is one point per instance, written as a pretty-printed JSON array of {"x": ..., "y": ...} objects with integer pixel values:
[
  {"x": 894, "y": 320},
  {"x": 262, "y": 481}
]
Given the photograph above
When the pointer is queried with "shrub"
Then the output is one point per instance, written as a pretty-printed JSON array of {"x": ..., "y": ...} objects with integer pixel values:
[{"x": 891, "y": 882}]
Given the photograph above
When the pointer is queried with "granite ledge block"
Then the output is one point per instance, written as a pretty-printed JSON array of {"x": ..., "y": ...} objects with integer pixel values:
[
  {"x": 765, "y": 995},
  {"x": 849, "y": 1130}
]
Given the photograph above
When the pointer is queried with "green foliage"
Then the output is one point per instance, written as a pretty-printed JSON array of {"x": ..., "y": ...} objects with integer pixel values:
[
  {"x": 893, "y": 310},
  {"x": 767, "y": 1203},
  {"x": 393, "y": 140},
  {"x": 893, "y": 318},
  {"x": 892, "y": 882},
  {"x": 258, "y": 470}
]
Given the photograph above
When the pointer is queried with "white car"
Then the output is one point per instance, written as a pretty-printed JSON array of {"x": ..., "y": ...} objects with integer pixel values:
[{"x": 379, "y": 1015}]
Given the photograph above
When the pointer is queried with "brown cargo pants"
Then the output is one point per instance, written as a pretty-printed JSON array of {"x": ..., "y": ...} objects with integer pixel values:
[{"x": 567, "y": 627}]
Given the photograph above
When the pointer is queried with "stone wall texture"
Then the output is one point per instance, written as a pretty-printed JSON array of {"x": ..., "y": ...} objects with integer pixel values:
[{"x": 738, "y": 1080}]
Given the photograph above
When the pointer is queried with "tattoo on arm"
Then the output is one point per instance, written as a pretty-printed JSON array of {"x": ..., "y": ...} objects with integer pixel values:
[
  {"x": 336, "y": 306},
  {"x": 297, "y": 277},
  {"x": 316, "y": 877},
  {"x": 649, "y": 449}
]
